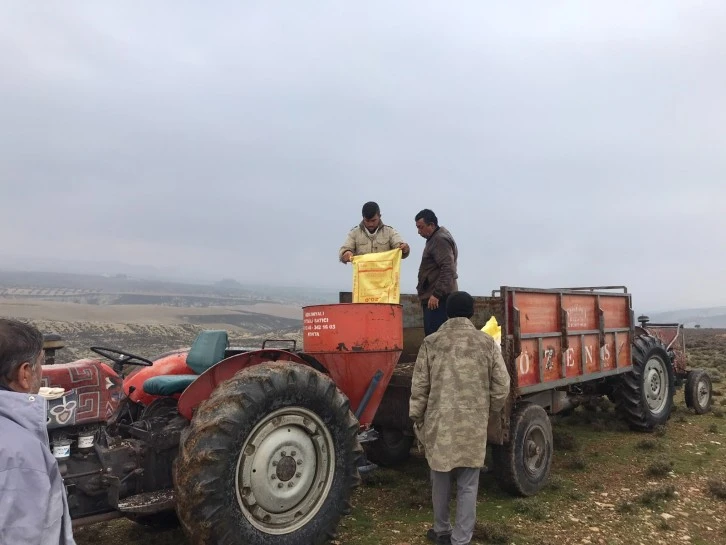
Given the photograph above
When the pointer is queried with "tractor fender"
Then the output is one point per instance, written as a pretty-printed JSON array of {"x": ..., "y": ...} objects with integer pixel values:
[{"x": 199, "y": 390}]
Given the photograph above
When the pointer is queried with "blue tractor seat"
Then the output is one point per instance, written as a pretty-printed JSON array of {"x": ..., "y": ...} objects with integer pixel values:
[{"x": 207, "y": 350}]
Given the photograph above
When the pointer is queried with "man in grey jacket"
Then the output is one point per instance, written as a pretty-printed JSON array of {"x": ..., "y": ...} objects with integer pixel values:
[{"x": 33, "y": 503}]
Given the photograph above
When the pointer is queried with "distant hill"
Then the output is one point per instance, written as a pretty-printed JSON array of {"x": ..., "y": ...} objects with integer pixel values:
[
  {"x": 714, "y": 317},
  {"x": 122, "y": 288}
]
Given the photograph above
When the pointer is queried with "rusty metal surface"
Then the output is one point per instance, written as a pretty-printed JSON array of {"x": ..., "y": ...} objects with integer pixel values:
[
  {"x": 202, "y": 388},
  {"x": 352, "y": 327},
  {"x": 355, "y": 342},
  {"x": 673, "y": 336},
  {"x": 566, "y": 337}
]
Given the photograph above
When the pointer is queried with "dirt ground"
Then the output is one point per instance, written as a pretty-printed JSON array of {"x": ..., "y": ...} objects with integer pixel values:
[
  {"x": 34, "y": 309},
  {"x": 148, "y": 330},
  {"x": 607, "y": 487}
]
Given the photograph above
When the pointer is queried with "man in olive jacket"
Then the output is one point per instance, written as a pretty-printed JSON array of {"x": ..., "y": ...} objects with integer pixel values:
[
  {"x": 459, "y": 378},
  {"x": 437, "y": 276}
]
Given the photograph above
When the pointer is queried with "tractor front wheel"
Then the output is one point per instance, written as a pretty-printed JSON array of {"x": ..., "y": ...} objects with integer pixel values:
[
  {"x": 269, "y": 458},
  {"x": 698, "y": 391}
]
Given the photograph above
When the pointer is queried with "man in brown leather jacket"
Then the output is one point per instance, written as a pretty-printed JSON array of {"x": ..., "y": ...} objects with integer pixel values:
[{"x": 437, "y": 276}]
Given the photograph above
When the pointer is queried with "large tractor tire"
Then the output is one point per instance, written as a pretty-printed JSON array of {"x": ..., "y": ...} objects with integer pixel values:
[
  {"x": 644, "y": 396},
  {"x": 698, "y": 391},
  {"x": 269, "y": 458},
  {"x": 391, "y": 448},
  {"x": 522, "y": 466}
]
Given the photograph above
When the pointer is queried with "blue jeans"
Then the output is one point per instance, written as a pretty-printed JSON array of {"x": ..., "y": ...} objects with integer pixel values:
[{"x": 433, "y": 318}]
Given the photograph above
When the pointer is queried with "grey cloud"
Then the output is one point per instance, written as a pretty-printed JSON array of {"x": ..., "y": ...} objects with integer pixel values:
[{"x": 561, "y": 142}]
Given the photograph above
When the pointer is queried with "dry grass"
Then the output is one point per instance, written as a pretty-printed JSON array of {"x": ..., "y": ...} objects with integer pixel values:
[
  {"x": 659, "y": 468},
  {"x": 717, "y": 487},
  {"x": 656, "y": 497}
]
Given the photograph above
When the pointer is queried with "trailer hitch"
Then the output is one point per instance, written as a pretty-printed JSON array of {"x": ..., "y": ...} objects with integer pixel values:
[{"x": 114, "y": 485}]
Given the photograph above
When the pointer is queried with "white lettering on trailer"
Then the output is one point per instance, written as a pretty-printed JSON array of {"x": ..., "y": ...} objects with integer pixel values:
[
  {"x": 569, "y": 357},
  {"x": 524, "y": 363},
  {"x": 577, "y": 316},
  {"x": 588, "y": 355},
  {"x": 605, "y": 353}
]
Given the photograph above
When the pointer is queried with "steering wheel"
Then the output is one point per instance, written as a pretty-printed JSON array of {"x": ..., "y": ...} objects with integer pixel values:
[{"x": 119, "y": 357}]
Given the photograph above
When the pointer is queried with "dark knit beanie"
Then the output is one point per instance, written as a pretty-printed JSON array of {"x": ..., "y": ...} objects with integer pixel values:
[{"x": 460, "y": 305}]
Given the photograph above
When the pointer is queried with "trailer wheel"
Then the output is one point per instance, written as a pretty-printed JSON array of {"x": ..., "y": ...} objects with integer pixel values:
[
  {"x": 523, "y": 465},
  {"x": 269, "y": 458},
  {"x": 644, "y": 396},
  {"x": 391, "y": 448},
  {"x": 698, "y": 391}
]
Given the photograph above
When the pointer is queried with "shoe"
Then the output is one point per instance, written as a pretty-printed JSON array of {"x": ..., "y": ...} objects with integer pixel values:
[{"x": 439, "y": 539}]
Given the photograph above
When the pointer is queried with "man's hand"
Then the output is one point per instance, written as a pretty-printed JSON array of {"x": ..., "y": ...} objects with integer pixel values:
[
  {"x": 347, "y": 256},
  {"x": 433, "y": 303},
  {"x": 404, "y": 248}
]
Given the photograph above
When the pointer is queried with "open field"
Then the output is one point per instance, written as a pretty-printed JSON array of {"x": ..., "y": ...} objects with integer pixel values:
[
  {"x": 37, "y": 309},
  {"x": 148, "y": 330}
]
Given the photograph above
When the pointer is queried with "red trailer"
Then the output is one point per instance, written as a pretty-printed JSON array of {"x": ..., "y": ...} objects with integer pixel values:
[{"x": 562, "y": 347}]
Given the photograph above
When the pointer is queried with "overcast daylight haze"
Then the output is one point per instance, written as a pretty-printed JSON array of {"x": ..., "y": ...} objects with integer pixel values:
[{"x": 562, "y": 143}]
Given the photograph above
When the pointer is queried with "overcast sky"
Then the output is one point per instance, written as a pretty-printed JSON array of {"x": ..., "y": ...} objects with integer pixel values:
[{"x": 562, "y": 143}]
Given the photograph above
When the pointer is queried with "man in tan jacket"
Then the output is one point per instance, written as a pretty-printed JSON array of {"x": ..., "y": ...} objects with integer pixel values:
[
  {"x": 459, "y": 377},
  {"x": 371, "y": 236}
]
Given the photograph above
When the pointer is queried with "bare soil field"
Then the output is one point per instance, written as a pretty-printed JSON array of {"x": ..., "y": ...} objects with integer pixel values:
[
  {"x": 39, "y": 309},
  {"x": 148, "y": 330}
]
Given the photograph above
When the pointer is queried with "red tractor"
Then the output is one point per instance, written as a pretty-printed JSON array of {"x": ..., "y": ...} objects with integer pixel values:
[{"x": 247, "y": 446}]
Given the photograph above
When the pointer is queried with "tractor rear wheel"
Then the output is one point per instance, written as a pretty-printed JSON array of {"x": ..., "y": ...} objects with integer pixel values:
[
  {"x": 644, "y": 396},
  {"x": 269, "y": 458},
  {"x": 698, "y": 391},
  {"x": 391, "y": 448},
  {"x": 523, "y": 465}
]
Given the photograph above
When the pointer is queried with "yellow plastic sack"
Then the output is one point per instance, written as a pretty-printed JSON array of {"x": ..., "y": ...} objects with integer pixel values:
[
  {"x": 377, "y": 277},
  {"x": 493, "y": 328}
]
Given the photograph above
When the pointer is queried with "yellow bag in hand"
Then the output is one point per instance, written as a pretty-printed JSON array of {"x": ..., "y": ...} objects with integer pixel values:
[
  {"x": 493, "y": 328},
  {"x": 377, "y": 277}
]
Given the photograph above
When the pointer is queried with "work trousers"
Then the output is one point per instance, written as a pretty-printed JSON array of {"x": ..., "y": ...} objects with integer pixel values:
[
  {"x": 467, "y": 486},
  {"x": 433, "y": 318}
]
